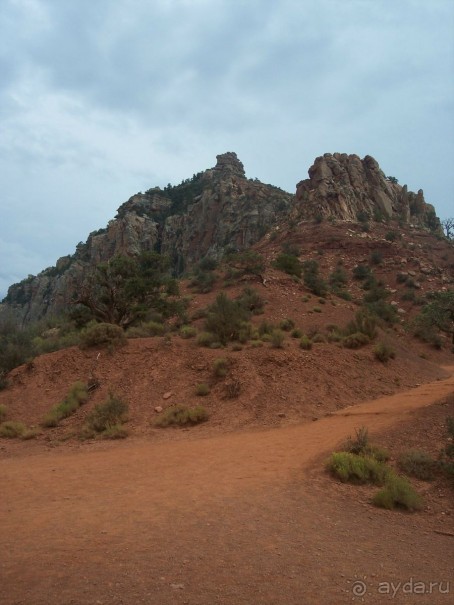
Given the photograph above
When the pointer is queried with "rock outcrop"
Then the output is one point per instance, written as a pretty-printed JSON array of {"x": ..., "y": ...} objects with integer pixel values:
[
  {"x": 345, "y": 187},
  {"x": 217, "y": 210}
]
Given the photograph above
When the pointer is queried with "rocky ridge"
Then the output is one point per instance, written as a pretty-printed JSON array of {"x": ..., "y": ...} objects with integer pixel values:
[{"x": 221, "y": 209}]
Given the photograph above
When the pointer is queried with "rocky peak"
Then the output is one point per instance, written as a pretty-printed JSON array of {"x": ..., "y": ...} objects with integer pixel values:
[
  {"x": 228, "y": 164},
  {"x": 344, "y": 187}
]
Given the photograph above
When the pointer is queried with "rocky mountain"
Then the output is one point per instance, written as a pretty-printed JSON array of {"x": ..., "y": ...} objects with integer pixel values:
[
  {"x": 345, "y": 187},
  {"x": 221, "y": 209}
]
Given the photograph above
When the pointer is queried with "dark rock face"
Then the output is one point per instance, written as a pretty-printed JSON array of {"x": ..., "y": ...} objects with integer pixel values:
[{"x": 344, "y": 186}]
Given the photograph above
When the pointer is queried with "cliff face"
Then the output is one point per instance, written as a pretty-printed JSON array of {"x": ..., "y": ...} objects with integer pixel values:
[
  {"x": 217, "y": 209},
  {"x": 344, "y": 186}
]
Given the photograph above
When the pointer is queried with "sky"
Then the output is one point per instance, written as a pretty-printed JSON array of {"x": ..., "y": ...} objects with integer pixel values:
[{"x": 100, "y": 99}]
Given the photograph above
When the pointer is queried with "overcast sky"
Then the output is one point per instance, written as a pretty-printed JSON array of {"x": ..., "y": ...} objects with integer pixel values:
[{"x": 100, "y": 99}]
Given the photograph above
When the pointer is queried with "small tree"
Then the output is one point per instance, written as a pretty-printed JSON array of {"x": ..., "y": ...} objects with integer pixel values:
[
  {"x": 439, "y": 313},
  {"x": 448, "y": 227}
]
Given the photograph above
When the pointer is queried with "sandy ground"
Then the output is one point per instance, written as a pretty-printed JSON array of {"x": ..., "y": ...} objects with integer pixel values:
[{"x": 243, "y": 518}]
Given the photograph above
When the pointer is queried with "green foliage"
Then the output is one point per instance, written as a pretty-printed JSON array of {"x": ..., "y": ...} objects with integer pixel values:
[
  {"x": 364, "y": 323},
  {"x": 181, "y": 415},
  {"x": 361, "y": 272},
  {"x": 220, "y": 367},
  {"x": 312, "y": 279},
  {"x": 115, "y": 431},
  {"x": 352, "y": 468},
  {"x": 376, "y": 257},
  {"x": 287, "y": 324},
  {"x": 382, "y": 310},
  {"x": 202, "y": 389},
  {"x": 306, "y": 343},
  {"x": 289, "y": 264},
  {"x": 205, "y": 339},
  {"x": 77, "y": 396},
  {"x": 362, "y": 217},
  {"x": 277, "y": 339},
  {"x": 187, "y": 332},
  {"x": 251, "y": 301},
  {"x": 203, "y": 281},
  {"x": 12, "y": 429},
  {"x": 391, "y": 236},
  {"x": 146, "y": 329},
  {"x": 397, "y": 492},
  {"x": 3, "y": 412},
  {"x": 123, "y": 290},
  {"x": 392, "y": 179},
  {"x": 438, "y": 314},
  {"x": 361, "y": 446},
  {"x": 355, "y": 341},
  {"x": 102, "y": 335},
  {"x": 247, "y": 262},
  {"x": 225, "y": 318},
  {"x": 418, "y": 464},
  {"x": 108, "y": 414},
  {"x": 384, "y": 352},
  {"x": 296, "y": 333}
]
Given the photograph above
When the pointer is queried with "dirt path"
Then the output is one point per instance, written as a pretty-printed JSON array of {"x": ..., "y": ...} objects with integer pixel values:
[{"x": 236, "y": 519}]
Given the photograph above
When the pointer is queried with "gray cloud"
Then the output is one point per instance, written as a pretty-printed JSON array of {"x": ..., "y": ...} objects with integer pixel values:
[{"x": 101, "y": 99}]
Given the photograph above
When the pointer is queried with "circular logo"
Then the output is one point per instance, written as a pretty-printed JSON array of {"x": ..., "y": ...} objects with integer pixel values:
[{"x": 359, "y": 588}]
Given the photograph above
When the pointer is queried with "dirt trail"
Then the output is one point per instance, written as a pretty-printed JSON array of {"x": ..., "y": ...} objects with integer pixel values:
[{"x": 227, "y": 519}]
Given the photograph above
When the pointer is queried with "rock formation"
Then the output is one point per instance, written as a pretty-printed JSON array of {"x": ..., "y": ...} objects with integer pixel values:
[{"x": 345, "y": 187}]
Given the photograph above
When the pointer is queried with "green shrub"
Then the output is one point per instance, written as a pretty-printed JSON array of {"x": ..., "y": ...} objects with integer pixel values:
[
  {"x": 202, "y": 389},
  {"x": 355, "y": 341},
  {"x": 306, "y": 343},
  {"x": 287, "y": 324},
  {"x": 3, "y": 381},
  {"x": 102, "y": 335},
  {"x": 77, "y": 396},
  {"x": 383, "y": 310},
  {"x": 220, "y": 367},
  {"x": 376, "y": 257},
  {"x": 397, "y": 492},
  {"x": 360, "y": 442},
  {"x": 108, "y": 414},
  {"x": 225, "y": 318},
  {"x": 251, "y": 300},
  {"x": 384, "y": 352},
  {"x": 12, "y": 429},
  {"x": 365, "y": 323},
  {"x": 266, "y": 328},
  {"x": 3, "y": 412},
  {"x": 401, "y": 278},
  {"x": 296, "y": 333},
  {"x": 199, "y": 314},
  {"x": 203, "y": 281},
  {"x": 277, "y": 339},
  {"x": 312, "y": 279},
  {"x": 317, "y": 309},
  {"x": 188, "y": 332},
  {"x": 256, "y": 344},
  {"x": 289, "y": 264},
  {"x": 417, "y": 464},
  {"x": 180, "y": 415},
  {"x": 361, "y": 272},
  {"x": 116, "y": 431},
  {"x": 205, "y": 339},
  {"x": 352, "y": 468},
  {"x": 391, "y": 236},
  {"x": 338, "y": 278}
]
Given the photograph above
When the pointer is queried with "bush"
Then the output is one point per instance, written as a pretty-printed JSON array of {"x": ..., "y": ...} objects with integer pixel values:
[
  {"x": 277, "y": 339},
  {"x": 225, "y": 318},
  {"x": 251, "y": 300},
  {"x": 220, "y": 367},
  {"x": 391, "y": 236},
  {"x": 203, "y": 281},
  {"x": 12, "y": 429},
  {"x": 202, "y": 389},
  {"x": 108, "y": 414},
  {"x": 205, "y": 339},
  {"x": 77, "y": 396},
  {"x": 398, "y": 492},
  {"x": 3, "y": 381},
  {"x": 306, "y": 343},
  {"x": 352, "y": 468},
  {"x": 296, "y": 333},
  {"x": 361, "y": 272},
  {"x": 312, "y": 279},
  {"x": 102, "y": 335},
  {"x": 384, "y": 352},
  {"x": 355, "y": 341},
  {"x": 3, "y": 411},
  {"x": 417, "y": 464},
  {"x": 180, "y": 415},
  {"x": 289, "y": 264},
  {"x": 116, "y": 431},
  {"x": 287, "y": 325},
  {"x": 188, "y": 332},
  {"x": 376, "y": 257},
  {"x": 266, "y": 328}
]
